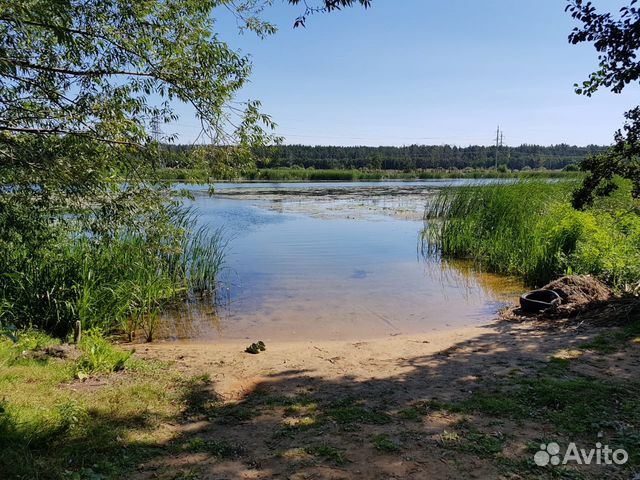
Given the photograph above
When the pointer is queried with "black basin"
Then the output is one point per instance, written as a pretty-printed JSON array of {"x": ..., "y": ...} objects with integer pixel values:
[{"x": 538, "y": 300}]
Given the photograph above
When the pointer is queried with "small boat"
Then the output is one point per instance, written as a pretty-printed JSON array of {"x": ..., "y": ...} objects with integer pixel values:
[{"x": 538, "y": 300}]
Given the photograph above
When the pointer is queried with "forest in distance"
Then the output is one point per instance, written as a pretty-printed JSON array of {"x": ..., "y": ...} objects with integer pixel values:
[{"x": 412, "y": 157}]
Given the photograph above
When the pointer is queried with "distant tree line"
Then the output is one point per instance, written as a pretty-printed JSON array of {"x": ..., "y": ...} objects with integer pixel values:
[{"x": 410, "y": 157}]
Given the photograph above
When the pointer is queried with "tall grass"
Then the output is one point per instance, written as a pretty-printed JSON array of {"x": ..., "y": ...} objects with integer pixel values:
[
  {"x": 119, "y": 284},
  {"x": 310, "y": 174},
  {"x": 530, "y": 229},
  {"x": 202, "y": 259},
  {"x": 285, "y": 174},
  {"x": 196, "y": 175}
]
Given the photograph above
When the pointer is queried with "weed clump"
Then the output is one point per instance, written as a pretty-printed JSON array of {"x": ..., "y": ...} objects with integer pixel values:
[{"x": 99, "y": 356}]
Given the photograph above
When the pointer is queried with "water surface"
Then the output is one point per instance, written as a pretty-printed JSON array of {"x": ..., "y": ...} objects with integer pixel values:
[{"x": 333, "y": 261}]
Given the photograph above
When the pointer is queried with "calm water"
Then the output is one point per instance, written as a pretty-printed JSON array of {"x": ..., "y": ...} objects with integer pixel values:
[{"x": 333, "y": 261}]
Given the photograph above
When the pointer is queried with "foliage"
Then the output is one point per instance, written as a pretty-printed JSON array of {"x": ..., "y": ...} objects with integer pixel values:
[
  {"x": 530, "y": 229},
  {"x": 98, "y": 356},
  {"x": 384, "y": 158},
  {"x": 85, "y": 234},
  {"x": 325, "y": 6},
  {"x": 617, "y": 41},
  {"x": 82, "y": 235},
  {"x": 90, "y": 68},
  {"x": 119, "y": 283}
]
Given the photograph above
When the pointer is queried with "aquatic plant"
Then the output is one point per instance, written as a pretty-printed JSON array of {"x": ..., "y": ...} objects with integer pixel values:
[
  {"x": 119, "y": 282},
  {"x": 310, "y": 174},
  {"x": 530, "y": 229}
]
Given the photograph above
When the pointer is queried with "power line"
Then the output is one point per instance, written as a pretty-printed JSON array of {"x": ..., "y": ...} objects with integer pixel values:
[{"x": 497, "y": 145}]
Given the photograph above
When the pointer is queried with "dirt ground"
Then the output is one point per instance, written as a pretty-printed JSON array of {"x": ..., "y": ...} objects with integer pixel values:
[{"x": 386, "y": 408}]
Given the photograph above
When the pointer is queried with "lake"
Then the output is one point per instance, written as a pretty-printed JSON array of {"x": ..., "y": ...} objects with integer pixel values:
[{"x": 332, "y": 261}]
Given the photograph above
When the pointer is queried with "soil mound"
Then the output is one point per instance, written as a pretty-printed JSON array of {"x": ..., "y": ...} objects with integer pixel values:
[
  {"x": 579, "y": 290},
  {"x": 581, "y": 295}
]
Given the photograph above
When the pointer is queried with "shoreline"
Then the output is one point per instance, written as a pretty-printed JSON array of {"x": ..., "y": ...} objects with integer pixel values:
[
  {"x": 444, "y": 331},
  {"x": 235, "y": 373}
]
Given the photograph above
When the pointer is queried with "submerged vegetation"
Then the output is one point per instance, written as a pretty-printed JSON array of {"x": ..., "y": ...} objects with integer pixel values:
[{"x": 530, "y": 229}]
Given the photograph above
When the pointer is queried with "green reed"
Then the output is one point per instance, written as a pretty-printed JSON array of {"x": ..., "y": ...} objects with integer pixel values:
[
  {"x": 119, "y": 284},
  {"x": 529, "y": 229}
]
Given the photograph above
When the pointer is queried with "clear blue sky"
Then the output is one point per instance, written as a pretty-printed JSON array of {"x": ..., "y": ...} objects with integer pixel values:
[{"x": 427, "y": 72}]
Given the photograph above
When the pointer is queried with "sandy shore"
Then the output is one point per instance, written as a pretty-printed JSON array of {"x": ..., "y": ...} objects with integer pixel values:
[
  {"x": 236, "y": 373},
  {"x": 362, "y": 409}
]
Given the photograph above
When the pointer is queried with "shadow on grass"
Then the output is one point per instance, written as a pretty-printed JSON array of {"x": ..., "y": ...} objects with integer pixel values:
[{"x": 481, "y": 407}]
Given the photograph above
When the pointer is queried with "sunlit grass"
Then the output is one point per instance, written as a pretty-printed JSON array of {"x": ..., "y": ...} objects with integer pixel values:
[
  {"x": 529, "y": 229},
  {"x": 51, "y": 424}
]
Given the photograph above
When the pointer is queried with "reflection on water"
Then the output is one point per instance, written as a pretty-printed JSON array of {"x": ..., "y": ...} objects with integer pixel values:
[
  {"x": 472, "y": 283},
  {"x": 195, "y": 319},
  {"x": 337, "y": 266}
]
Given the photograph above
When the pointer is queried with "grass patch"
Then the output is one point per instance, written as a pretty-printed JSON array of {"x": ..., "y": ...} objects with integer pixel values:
[
  {"x": 301, "y": 408},
  {"x": 603, "y": 343},
  {"x": 613, "y": 341},
  {"x": 417, "y": 410},
  {"x": 557, "y": 365},
  {"x": 232, "y": 413},
  {"x": 263, "y": 398},
  {"x": 299, "y": 417},
  {"x": 383, "y": 443},
  {"x": 577, "y": 407},
  {"x": 526, "y": 468},
  {"x": 327, "y": 452},
  {"x": 217, "y": 448},
  {"x": 467, "y": 438},
  {"x": 298, "y": 425},
  {"x": 99, "y": 356},
  {"x": 350, "y": 413},
  {"x": 51, "y": 428}
]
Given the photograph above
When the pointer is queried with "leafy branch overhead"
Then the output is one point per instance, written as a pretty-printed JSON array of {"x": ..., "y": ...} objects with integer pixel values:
[
  {"x": 86, "y": 234},
  {"x": 617, "y": 40},
  {"x": 324, "y": 6},
  {"x": 103, "y": 69}
]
